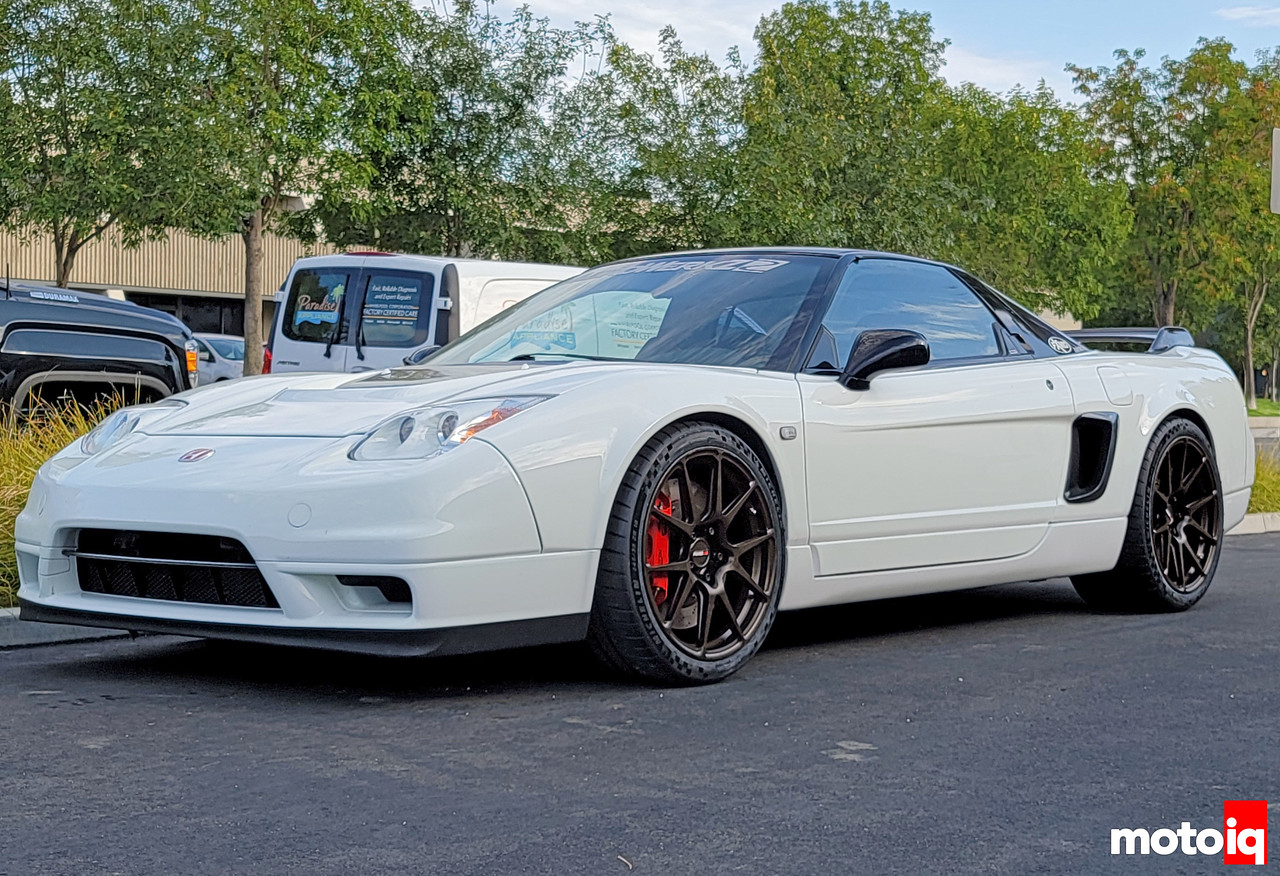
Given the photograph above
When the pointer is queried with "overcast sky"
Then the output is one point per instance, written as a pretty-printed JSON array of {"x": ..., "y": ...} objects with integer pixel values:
[{"x": 994, "y": 43}]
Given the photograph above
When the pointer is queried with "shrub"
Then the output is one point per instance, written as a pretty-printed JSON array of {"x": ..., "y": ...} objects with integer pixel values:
[
  {"x": 26, "y": 441},
  {"x": 1266, "y": 486}
]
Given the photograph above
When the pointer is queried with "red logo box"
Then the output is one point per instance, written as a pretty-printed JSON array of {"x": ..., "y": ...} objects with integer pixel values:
[{"x": 1245, "y": 829}]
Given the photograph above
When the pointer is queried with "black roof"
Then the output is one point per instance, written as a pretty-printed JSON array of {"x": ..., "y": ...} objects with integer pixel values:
[{"x": 37, "y": 303}]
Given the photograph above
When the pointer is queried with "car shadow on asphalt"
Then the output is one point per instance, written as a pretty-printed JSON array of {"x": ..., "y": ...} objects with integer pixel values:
[{"x": 270, "y": 670}]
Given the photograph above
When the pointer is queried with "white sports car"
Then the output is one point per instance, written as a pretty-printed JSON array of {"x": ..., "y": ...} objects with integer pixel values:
[{"x": 657, "y": 456}]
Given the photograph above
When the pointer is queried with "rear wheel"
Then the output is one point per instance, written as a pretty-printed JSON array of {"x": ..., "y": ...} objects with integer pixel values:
[
  {"x": 1174, "y": 535},
  {"x": 692, "y": 566}
]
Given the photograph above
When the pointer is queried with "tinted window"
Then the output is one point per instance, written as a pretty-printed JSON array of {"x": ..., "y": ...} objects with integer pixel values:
[
  {"x": 717, "y": 309},
  {"x": 397, "y": 309},
  {"x": 314, "y": 304},
  {"x": 892, "y": 294}
]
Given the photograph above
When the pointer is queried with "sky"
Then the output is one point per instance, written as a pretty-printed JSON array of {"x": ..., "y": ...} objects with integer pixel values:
[{"x": 994, "y": 43}]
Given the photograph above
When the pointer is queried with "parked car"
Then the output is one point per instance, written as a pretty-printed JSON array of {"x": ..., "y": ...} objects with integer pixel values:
[
  {"x": 61, "y": 344},
  {"x": 365, "y": 311},
  {"x": 221, "y": 357},
  {"x": 657, "y": 456}
]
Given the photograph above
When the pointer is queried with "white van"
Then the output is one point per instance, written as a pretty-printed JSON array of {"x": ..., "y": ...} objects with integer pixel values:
[{"x": 363, "y": 311}]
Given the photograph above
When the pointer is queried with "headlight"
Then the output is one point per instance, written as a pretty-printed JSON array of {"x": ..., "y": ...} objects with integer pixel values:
[
  {"x": 430, "y": 431},
  {"x": 122, "y": 424}
]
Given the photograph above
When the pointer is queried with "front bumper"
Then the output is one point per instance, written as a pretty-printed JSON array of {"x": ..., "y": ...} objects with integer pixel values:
[
  {"x": 458, "y": 531},
  {"x": 386, "y": 643}
]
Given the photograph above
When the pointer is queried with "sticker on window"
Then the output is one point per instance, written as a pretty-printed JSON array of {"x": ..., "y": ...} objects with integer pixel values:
[{"x": 741, "y": 265}]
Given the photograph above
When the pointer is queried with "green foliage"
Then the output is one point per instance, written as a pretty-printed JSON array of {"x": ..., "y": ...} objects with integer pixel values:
[
  {"x": 467, "y": 165},
  {"x": 98, "y": 121},
  {"x": 1266, "y": 487},
  {"x": 25, "y": 444}
]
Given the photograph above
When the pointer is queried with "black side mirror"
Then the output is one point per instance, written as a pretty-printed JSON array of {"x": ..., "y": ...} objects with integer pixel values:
[
  {"x": 877, "y": 350},
  {"x": 420, "y": 354}
]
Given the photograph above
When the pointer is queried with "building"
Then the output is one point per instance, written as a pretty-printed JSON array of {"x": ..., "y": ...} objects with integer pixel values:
[{"x": 199, "y": 281}]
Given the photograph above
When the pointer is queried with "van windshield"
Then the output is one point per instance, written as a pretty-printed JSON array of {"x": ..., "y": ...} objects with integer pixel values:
[{"x": 727, "y": 309}]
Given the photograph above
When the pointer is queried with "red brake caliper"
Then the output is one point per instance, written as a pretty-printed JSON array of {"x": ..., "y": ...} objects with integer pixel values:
[{"x": 659, "y": 547}]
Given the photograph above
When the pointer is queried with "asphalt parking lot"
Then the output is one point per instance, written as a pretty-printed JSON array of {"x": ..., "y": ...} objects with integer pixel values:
[{"x": 1005, "y": 730}]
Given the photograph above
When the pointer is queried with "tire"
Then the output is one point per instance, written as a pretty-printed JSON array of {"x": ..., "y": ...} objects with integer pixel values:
[
  {"x": 1172, "y": 543},
  {"x": 676, "y": 567}
]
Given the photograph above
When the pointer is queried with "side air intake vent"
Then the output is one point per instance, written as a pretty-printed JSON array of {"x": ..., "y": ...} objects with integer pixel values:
[{"x": 1093, "y": 447}]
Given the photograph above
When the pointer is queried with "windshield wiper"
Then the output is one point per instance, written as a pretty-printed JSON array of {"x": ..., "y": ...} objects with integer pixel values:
[
  {"x": 337, "y": 325},
  {"x": 530, "y": 357}
]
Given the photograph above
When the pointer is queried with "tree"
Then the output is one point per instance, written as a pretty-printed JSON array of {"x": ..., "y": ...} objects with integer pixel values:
[
  {"x": 97, "y": 123},
  {"x": 837, "y": 148},
  {"x": 1156, "y": 124},
  {"x": 1027, "y": 208},
  {"x": 287, "y": 79},
  {"x": 467, "y": 169},
  {"x": 1243, "y": 237}
]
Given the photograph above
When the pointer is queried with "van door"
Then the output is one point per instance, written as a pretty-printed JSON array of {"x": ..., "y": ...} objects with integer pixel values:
[
  {"x": 314, "y": 324},
  {"x": 396, "y": 315}
]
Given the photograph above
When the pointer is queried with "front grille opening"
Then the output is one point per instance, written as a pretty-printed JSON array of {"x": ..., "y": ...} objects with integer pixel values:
[
  {"x": 394, "y": 590},
  {"x": 177, "y": 567}
]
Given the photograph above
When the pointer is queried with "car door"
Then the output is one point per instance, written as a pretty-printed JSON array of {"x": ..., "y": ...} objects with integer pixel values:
[
  {"x": 314, "y": 328},
  {"x": 960, "y": 461},
  {"x": 396, "y": 315}
]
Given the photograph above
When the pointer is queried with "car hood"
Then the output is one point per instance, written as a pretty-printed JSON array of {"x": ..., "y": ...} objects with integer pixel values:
[{"x": 334, "y": 405}]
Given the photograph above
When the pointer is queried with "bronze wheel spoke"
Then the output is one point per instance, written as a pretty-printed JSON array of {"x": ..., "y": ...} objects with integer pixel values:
[
  {"x": 1195, "y": 561},
  {"x": 756, "y": 590},
  {"x": 1201, "y": 502},
  {"x": 665, "y": 568},
  {"x": 676, "y": 599},
  {"x": 674, "y": 522},
  {"x": 1208, "y": 536},
  {"x": 742, "y": 547},
  {"x": 723, "y": 599},
  {"x": 731, "y": 513},
  {"x": 706, "y": 609},
  {"x": 715, "y": 489}
]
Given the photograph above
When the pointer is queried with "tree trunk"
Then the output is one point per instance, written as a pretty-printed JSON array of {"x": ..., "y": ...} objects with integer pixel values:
[
  {"x": 253, "y": 254},
  {"x": 1250, "y": 384},
  {"x": 1253, "y": 311},
  {"x": 1163, "y": 305},
  {"x": 65, "y": 250}
]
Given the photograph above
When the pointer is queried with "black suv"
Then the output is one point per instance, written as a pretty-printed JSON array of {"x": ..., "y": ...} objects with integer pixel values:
[{"x": 57, "y": 344}]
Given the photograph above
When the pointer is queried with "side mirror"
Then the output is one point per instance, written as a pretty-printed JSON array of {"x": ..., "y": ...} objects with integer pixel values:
[
  {"x": 877, "y": 350},
  {"x": 420, "y": 354}
]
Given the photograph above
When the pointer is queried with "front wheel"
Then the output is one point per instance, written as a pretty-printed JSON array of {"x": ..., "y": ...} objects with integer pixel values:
[
  {"x": 1174, "y": 535},
  {"x": 693, "y": 560}
]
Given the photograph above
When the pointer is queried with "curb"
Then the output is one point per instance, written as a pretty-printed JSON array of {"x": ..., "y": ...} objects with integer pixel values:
[
  {"x": 22, "y": 634},
  {"x": 1256, "y": 524}
]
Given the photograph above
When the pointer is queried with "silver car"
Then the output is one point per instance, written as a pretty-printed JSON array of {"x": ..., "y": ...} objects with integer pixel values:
[{"x": 221, "y": 357}]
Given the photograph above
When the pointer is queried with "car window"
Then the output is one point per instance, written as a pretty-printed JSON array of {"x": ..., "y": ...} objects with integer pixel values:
[
  {"x": 314, "y": 305},
  {"x": 203, "y": 348},
  {"x": 228, "y": 348},
  {"x": 716, "y": 309},
  {"x": 397, "y": 311},
  {"x": 897, "y": 294}
]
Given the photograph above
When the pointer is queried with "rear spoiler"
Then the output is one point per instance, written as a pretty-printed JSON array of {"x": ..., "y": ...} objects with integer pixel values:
[{"x": 1158, "y": 340}]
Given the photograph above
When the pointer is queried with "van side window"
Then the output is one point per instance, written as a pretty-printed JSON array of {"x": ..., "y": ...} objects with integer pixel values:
[
  {"x": 314, "y": 303},
  {"x": 397, "y": 310}
]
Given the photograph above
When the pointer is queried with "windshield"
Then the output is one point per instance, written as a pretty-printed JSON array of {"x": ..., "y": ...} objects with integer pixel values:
[
  {"x": 228, "y": 348},
  {"x": 747, "y": 311}
]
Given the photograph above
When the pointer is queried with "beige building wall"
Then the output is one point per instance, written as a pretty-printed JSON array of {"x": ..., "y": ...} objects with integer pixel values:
[{"x": 176, "y": 264}]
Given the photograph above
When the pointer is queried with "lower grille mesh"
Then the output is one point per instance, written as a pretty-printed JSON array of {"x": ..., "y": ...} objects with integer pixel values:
[{"x": 172, "y": 566}]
